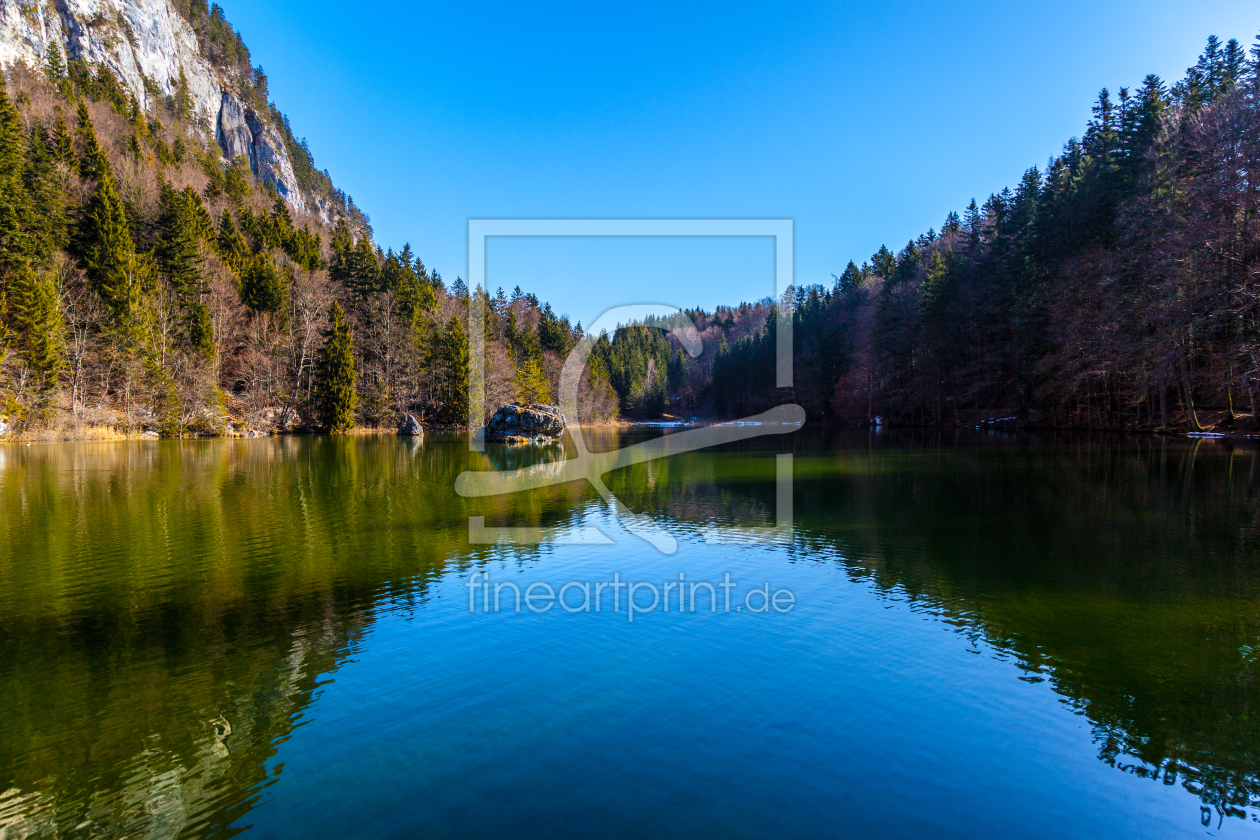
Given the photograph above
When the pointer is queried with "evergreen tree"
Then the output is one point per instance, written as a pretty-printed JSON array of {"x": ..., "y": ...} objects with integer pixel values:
[
  {"x": 54, "y": 67},
  {"x": 335, "y": 375},
  {"x": 937, "y": 288},
  {"x": 883, "y": 262},
  {"x": 232, "y": 247},
  {"x": 973, "y": 224},
  {"x": 92, "y": 163},
  {"x": 179, "y": 246},
  {"x": 850, "y": 280},
  {"x": 109, "y": 254},
  {"x": 553, "y": 333},
  {"x": 262, "y": 287},
  {"x": 63, "y": 145},
  {"x": 182, "y": 99},
  {"x": 1233, "y": 64},
  {"x": 364, "y": 270},
  {"x": 907, "y": 263},
  {"x": 453, "y": 392},
  {"x": 15, "y": 245},
  {"x": 1210, "y": 69},
  {"x": 47, "y": 221},
  {"x": 183, "y": 224},
  {"x": 406, "y": 279},
  {"x": 35, "y": 317},
  {"x": 532, "y": 385}
]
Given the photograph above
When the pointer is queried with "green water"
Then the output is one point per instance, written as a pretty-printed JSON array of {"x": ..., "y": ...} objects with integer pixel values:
[{"x": 991, "y": 637}]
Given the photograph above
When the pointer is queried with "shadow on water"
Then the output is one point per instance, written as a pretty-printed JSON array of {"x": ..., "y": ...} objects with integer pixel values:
[
  {"x": 1124, "y": 571},
  {"x": 170, "y": 610}
]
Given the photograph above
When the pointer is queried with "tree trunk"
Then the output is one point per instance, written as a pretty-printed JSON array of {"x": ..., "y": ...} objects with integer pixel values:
[
  {"x": 1251, "y": 397},
  {"x": 1163, "y": 406},
  {"x": 1189, "y": 397}
]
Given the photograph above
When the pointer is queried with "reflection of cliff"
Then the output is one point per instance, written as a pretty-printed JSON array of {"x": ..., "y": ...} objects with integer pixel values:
[
  {"x": 169, "y": 608},
  {"x": 1125, "y": 573}
]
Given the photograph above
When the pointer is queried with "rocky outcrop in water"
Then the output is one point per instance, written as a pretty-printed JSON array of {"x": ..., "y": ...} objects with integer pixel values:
[
  {"x": 410, "y": 426},
  {"x": 518, "y": 424},
  {"x": 149, "y": 41}
]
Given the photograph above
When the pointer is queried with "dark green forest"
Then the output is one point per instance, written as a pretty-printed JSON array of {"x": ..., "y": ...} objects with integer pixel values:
[
  {"x": 1115, "y": 289},
  {"x": 150, "y": 286}
]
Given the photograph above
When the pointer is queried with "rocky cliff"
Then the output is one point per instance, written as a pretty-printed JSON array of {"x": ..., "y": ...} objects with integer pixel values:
[{"x": 149, "y": 41}]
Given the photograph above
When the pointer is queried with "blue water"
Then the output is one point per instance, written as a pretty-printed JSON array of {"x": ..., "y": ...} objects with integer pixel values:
[{"x": 989, "y": 638}]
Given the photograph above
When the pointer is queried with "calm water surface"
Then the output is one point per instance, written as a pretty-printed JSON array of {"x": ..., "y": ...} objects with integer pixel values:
[{"x": 991, "y": 637}]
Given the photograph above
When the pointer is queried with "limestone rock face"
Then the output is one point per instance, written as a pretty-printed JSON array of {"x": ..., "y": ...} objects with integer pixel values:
[
  {"x": 533, "y": 423},
  {"x": 410, "y": 426},
  {"x": 148, "y": 39},
  {"x": 4, "y": 427},
  {"x": 241, "y": 132}
]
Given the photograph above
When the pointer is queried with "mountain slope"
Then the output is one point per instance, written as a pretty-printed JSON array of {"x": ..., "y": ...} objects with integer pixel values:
[{"x": 152, "y": 49}]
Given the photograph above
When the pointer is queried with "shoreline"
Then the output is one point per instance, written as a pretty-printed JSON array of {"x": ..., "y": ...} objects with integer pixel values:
[{"x": 107, "y": 435}]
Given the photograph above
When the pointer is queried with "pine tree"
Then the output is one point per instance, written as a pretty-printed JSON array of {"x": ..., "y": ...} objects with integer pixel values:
[
  {"x": 553, "y": 333},
  {"x": 973, "y": 224},
  {"x": 1233, "y": 64},
  {"x": 335, "y": 396},
  {"x": 532, "y": 385},
  {"x": 850, "y": 280},
  {"x": 35, "y": 317},
  {"x": 63, "y": 145},
  {"x": 262, "y": 288},
  {"x": 183, "y": 223},
  {"x": 937, "y": 288},
  {"x": 883, "y": 262},
  {"x": 15, "y": 245},
  {"x": 1211, "y": 68},
  {"x": 54, "y": 67},
  {"x": 109, "y": 254},
  {"x": 453, "y": 393},
  {"x": 907, "y": 265},
  {"x": 93, "y": 163},
  {"x": 182, "y": 100},
  {"x": 363, "y": 269},
  {"x": 47, "y": 221},
  {"x": 181, "y": 230},
  {"x": 232, "y": 247}
]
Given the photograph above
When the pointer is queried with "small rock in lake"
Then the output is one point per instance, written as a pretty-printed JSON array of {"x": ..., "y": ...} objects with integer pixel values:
[
  {"x": 517, "y": 424},
  {"x": 410, "y": 426}
]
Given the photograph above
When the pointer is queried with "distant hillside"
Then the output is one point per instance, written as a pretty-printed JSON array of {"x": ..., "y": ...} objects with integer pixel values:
[{"x": 1119, "y": 288}]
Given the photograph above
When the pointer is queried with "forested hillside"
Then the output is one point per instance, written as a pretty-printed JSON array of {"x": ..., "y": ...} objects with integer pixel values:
[
  {"x": 1119, "y": 288},
  {"x": 152, "y": 282}
]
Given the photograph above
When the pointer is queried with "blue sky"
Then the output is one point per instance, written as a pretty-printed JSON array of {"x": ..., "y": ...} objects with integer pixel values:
[{"x": 865, "y": 123}]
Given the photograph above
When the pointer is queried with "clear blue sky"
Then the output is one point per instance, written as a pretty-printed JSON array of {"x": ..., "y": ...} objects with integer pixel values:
[{"x": 865, "y": 123}]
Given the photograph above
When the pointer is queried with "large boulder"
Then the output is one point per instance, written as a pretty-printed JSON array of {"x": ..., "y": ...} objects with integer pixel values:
[
  {"x": 410, "y": 426},
  {"x": 533, "y": 423},
  {"x": 4, "y": 427}
]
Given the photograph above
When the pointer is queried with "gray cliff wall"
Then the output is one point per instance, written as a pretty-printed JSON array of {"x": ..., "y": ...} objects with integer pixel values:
[{"x": 139, "y": 39}]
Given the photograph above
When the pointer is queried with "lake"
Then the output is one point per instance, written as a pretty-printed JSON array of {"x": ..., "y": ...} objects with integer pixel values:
[{"x": 982, "y": 635}]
